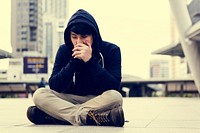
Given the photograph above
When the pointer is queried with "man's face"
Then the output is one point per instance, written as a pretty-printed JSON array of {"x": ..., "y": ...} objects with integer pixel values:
[{"x": 84, "y": 39}]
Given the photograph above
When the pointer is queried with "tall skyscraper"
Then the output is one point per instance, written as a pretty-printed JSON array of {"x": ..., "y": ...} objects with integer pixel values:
[
  {"x": 55, "y": 14},
  {"x": 26, "y": 26}
]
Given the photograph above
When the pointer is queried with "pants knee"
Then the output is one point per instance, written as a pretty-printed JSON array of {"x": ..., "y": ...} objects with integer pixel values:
[
  {"x": 116, "y": 96},
  {"x": 39, "y": 96}
]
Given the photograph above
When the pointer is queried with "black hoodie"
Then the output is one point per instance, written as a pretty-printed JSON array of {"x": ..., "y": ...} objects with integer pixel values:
[{"x": 102, "y": 72}]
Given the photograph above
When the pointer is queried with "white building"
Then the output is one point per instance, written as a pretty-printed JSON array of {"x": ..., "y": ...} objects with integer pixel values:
[
  {"x": 159, "y": 68},
  {"x": 55, "y": 14},
  {"x": 21, "y": 69}
]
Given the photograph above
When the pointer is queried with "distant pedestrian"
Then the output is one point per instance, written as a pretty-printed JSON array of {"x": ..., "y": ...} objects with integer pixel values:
[{"x": 42, "y": 83}]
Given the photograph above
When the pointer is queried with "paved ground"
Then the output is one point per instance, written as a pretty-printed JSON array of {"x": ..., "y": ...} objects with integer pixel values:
[{"x": 145, "y": 115}]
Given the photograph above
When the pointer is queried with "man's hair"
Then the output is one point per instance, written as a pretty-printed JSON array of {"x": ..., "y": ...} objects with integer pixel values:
[{"x": 82, "y": 29}]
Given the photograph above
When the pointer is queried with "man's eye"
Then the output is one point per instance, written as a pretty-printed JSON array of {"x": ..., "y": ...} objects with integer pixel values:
[
  {"x": 84, "y": 36},
  {"x": 73, "y": 36}
]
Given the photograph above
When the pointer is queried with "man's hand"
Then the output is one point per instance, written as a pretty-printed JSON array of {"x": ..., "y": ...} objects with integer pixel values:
[{"x": 82, "y": 51}]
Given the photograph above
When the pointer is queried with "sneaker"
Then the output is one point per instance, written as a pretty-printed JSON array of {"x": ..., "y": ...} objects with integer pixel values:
[
  {"x": 36, "y": 116},
  {"x": 114, "y": 117}
]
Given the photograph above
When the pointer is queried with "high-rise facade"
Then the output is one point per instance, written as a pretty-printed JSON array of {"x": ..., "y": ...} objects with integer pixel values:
[
  {"x": 26, "y": 26},
  {"x": 55, "y": 14}
]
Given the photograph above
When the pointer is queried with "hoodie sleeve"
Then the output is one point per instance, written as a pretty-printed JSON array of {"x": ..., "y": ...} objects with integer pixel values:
[
  {"x": 110, "y": 76},
  {"x": 63, "y": 70}
]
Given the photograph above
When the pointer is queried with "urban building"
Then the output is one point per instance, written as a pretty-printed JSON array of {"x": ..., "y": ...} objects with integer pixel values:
[
  {"x": 26, "y": 26},
  {"x": 37, "y": 30},
  {"x": 179, "y": 64},
  {"x": 55, "y": 14},
  {"x": 159, "y": 68}
]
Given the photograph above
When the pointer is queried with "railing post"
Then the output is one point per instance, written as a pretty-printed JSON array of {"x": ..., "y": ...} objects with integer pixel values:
[
  {"x": 26, "y": 89},
  {"x": 166, "y": 89}
]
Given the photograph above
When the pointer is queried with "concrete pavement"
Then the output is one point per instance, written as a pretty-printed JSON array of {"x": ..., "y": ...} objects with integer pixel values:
[{"x": 145, "y": 115}]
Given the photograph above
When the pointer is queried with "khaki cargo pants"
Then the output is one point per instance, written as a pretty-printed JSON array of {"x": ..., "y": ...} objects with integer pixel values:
[{"x": 73, "y": 108}]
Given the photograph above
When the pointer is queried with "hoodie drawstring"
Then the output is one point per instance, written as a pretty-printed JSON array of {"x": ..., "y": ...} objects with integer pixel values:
[{"x": 102, "y": 59}]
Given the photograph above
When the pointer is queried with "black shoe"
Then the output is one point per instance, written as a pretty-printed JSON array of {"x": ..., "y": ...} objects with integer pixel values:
[
  {"x": 36, "y": 116},
  {"x": 114, "y": 117}
]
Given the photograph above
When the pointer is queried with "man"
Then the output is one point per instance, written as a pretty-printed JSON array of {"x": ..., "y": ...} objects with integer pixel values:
[{"x": 84, "y": 81}]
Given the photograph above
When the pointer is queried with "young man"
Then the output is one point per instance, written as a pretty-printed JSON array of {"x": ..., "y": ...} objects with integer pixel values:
[{"x": 84, "y": 81}]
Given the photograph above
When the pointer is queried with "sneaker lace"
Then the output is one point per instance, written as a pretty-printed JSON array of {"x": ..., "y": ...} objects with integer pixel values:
[{"x": 99, "y": 117}]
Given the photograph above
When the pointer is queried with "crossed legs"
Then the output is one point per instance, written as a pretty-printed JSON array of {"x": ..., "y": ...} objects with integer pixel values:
[{"x": 73, "y": 108}]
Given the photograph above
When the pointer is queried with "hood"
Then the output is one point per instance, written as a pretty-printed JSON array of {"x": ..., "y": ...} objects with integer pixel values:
[{"x": 82, "y": 16}]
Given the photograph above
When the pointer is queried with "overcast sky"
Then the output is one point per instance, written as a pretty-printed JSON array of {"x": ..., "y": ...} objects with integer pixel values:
[{"x": 137, "y": 27}]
